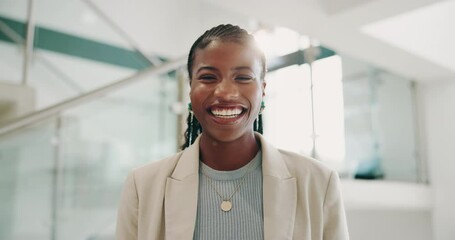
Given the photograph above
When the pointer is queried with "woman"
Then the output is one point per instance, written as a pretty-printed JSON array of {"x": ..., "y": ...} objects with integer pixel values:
[{"x": 228, "y": 182}]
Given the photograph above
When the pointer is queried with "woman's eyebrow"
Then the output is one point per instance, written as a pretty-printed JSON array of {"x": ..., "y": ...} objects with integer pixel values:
[
  {"x": 242, "y": 68},
  {"x": 210, "y": 68}
]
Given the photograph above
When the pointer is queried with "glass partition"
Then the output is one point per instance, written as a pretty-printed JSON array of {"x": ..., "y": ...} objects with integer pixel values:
[
  {"x": 102, "y": 141},
  {"x": 380, "y": 123},
  {"x": 62, "y": 179},
  {"x": 28, "y": 182}
]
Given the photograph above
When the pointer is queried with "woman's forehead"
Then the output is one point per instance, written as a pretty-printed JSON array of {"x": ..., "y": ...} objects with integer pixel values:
[{"x": 227, "y": 53}]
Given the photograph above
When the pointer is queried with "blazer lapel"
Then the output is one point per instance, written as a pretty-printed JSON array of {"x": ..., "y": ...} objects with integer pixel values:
[
  {"x": 279, "y": 193},
  {"x": 181, "y": 195}
]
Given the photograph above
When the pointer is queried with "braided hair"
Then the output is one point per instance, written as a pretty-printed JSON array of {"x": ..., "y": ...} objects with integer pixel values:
[{"x": 225, "y": 33}]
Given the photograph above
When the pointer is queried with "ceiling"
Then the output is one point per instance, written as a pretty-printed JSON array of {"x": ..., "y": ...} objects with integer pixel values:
[{"x": 427, "y": 32}]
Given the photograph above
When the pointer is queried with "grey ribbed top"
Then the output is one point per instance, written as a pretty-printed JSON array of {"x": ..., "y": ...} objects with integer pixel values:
[{"x": 245, "y": 220}]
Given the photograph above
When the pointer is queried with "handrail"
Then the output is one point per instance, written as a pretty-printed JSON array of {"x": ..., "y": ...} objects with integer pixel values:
[{"x": 37, "y": 116}]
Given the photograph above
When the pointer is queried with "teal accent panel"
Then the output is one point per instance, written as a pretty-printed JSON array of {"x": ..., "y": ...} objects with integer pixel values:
[
  {"x": 47, "y": 39},
  {"x": 296, "y": 57},
  {"x": 18, "y": 27},
  {"x": 325, "y": 53},
  {"x": 80, "y": 47}
]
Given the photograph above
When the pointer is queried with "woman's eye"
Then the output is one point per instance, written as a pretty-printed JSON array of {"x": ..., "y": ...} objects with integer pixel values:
[
  {"x": 207, "y": 77},
  {"x": 244, "y": 78}
]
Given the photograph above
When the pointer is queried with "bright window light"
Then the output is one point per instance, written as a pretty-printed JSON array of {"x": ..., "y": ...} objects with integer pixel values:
[
  {"x": 278, "y": 42},
  {"x": 288, "y": 118},
  {"x": 329, "y": 109}
]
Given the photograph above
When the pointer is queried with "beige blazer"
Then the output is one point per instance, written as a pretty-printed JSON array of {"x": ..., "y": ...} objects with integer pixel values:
[{"x": 302, "y": 198}]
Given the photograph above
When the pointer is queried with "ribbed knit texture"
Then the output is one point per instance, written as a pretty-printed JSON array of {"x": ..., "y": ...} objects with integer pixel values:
[{"x": 245, "y": 220}]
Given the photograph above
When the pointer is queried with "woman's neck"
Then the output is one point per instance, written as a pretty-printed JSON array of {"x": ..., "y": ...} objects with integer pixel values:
[{"x": 227, "y": 156}]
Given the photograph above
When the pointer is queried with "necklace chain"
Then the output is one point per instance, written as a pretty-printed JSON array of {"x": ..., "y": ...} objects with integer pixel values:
[{"x": 242, "y": 180}]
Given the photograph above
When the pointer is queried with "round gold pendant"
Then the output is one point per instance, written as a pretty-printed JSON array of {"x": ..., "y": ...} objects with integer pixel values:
[{"x": 226, "y": 206}]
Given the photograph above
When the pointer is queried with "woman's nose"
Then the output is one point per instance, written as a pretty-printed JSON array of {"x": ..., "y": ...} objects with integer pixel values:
[{"x": 227, "y": 90}]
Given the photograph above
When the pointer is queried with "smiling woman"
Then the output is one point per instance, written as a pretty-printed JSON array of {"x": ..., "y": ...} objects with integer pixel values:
[
  {"x": 228, "y": 182},
  {"x": 226, "y": 95}
]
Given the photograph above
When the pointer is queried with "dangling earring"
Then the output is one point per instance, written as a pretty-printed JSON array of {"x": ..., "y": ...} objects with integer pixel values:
[
  {"x": 262, "y": 107},
  {"x": 190, "y": 124},
  {"x": 257, "y": 126},
  {"x": 260, "y": 125}
]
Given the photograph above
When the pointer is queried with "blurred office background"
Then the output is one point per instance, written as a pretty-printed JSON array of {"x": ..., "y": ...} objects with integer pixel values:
[{"x": 90, "y": 89}]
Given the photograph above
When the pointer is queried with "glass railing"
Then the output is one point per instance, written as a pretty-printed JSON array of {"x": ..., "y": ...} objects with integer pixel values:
[
  {"x": 101, "y": 142},
  {"x": 28, "y": 182},
  {"x": 61, "y": 179}
]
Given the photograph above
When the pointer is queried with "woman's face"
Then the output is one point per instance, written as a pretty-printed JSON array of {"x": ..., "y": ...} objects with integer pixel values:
[{"x": 226, "y": 89}]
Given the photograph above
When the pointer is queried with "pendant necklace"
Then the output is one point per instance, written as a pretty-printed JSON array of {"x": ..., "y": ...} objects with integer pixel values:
[{"x": 226, "y": 203}]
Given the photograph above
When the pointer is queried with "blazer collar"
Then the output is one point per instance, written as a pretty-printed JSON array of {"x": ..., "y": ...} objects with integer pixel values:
[
  {"x": 180, "y": 200},
  {"x": 279, "y": 194},
  {"x": 272, "y": 161},
  {"x": 188, "y": 164}
]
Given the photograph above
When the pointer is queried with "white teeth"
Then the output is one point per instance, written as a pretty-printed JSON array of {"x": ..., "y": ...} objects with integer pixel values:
[{"x": 227, "y": 113}]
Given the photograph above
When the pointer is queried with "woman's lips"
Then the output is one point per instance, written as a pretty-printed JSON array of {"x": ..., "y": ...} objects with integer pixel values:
[
  {"x": 227, "y": 114},
  {"x": 230, "y": 112}
]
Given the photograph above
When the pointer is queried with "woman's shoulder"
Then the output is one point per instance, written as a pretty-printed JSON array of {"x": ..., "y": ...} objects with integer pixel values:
[
  {"x": 313, "y": 175},
  {"x": 303, "y": 164},
  {"x": 162, "y": 168}
]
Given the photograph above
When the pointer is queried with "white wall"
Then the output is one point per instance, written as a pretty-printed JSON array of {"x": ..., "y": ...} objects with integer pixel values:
[
  {"x": 439, "y": 122},
  {"x": 378, "y": 210},
  {"x": 391, "y": 224}
]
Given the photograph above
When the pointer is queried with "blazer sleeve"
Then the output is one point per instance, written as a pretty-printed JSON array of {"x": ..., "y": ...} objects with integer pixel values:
[
  {"x": 127, "y": 218},
  {"x": 335, "y": 226}
]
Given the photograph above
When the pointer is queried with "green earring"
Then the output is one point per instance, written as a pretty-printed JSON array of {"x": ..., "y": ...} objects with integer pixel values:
[
  {"x": 190, "y": 107},
  {"x": 262, "y": 107}
]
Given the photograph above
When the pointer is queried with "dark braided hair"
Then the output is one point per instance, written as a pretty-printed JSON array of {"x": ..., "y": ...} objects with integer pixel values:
[{"x": 225, "y": 33}]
